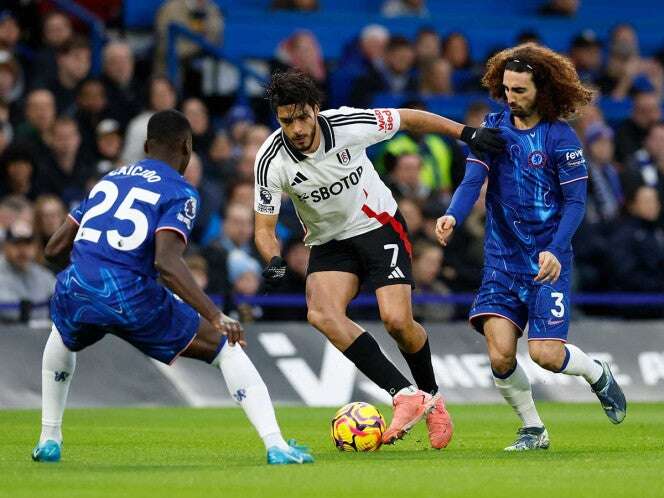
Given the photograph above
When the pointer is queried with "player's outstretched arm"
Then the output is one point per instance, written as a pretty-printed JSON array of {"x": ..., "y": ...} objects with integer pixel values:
[
  {"x": 480, "y": 140},
  {"x": 169, "y": 248},
  {"x": 59, "y": 246},
  {"x": 268, "y": 246}
]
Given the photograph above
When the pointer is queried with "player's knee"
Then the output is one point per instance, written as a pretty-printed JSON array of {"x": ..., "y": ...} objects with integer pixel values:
[
  {"x": 547, "y": 358},
  {"x": 321, "y": 319},
  {"x": 396, "y": 323},
  {"x": 502, "y": 361}
]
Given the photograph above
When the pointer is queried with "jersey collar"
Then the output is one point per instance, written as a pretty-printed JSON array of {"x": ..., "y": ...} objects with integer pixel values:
[{"x": 328, "y": 140}]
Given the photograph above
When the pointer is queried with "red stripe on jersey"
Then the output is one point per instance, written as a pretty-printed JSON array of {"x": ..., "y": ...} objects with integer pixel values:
[{"x": 385, "y": 218}]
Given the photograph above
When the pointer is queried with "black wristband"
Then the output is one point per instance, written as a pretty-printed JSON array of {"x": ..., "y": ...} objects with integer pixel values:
[{"x": 467, "y": 133}]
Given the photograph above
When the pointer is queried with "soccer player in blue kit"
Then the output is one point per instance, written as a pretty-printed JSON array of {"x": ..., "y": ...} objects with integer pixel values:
[
  {"x": 132, "y": 228},
  {"x": 535, "y": 201}
]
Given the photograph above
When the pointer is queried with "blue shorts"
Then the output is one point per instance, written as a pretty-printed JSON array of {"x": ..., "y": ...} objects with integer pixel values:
[
  {"x": 145, "y": 314},
  {"x": 518, "y": 298}
]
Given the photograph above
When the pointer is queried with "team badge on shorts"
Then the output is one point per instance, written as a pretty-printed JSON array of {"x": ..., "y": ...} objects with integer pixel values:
[
  {"x": 537, "y": 159},
  {"x": 344, "y": 157}
]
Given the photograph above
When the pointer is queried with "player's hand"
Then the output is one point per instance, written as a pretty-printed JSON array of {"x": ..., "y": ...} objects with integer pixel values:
[
  {"x": 549, "y": 268},
  {"x": 444, "y": 228},
  {"x": 483, "y": 140},
  {"x": 230, "y": 328},
  {"x": 274, "y": 273}
]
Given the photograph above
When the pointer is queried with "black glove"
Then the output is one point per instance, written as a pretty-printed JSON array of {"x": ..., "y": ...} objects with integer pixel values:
[
  {"x": 483, "y": 140},
  {"x": 274, "y": 273}
]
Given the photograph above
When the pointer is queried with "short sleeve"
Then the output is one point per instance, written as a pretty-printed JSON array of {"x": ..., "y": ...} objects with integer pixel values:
[
  {"x": 267, "y": 188},
  {"x": 568, "y": 156},
  {"x": 180, "y": 213},
  {"x": 76, "y": 214},
  {"x": 367, "y": 126}
]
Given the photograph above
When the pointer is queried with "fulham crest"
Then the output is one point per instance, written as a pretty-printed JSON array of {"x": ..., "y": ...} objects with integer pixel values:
[{"x": 344, "y": 157}]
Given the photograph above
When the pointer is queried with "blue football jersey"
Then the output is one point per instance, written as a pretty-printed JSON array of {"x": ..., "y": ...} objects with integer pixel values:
[
  {"x": 121, "y": 215},
  {"x": 524, "y": 196}
]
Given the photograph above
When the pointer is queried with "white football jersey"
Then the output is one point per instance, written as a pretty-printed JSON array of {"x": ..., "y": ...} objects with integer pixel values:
[{"x": 336, "y": 191}]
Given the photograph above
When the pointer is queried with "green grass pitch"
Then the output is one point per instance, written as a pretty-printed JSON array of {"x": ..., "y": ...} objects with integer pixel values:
[{"x": 182, "y": 452}]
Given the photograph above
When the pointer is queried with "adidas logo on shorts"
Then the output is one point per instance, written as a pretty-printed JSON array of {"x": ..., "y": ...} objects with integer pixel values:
[{"x": 396, "y": 273}]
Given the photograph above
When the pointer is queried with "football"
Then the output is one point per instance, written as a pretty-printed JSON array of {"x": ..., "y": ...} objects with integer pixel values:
[{"x": 357, "y": 426}]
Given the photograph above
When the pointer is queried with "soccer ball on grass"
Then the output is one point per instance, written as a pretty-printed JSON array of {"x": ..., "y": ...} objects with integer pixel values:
[{"x": 357, "y": 426}]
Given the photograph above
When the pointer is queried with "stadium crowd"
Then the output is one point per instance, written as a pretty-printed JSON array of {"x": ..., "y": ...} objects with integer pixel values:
[{"x": 62, "y": 128}]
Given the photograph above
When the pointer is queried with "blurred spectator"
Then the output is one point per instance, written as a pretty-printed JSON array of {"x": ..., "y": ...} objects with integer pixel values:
[
  {"x": 302, "y": 51},
  {"x": 648, "y": 162},
  {"x": 50, "y": 213},
  {"x": 241, "y": 192},
  {"x": 11, "y": 80},
  {"x": 395, "y": 76},
  {"x": 398, "y": 8},
  {"x": 605, "y": 196},
  {"x": 404, "y": 179},
  {"x": 238, "y": 229},
  {"x": 359, "y": 57},
  {"x": 466, "y": 76},
  {"x": 56, "y": 31},
  {"x": 245, "y": 276},
  {"x": 586, "y": 54},
  {"x": 436, "y": 78},
  {"x": 14, "y": 208},
  {"x": 637, "y": 252},
  {"x": 586, "y": 116},
  {"x": 412, "y": 214},
  {"x": 197, "y": 114},
  {"x": 122, "y": 90},
  {"x": 10, "y": 31},
  {"x": 221, "y": 164},
  {"x": 22, "y": 280},
  {"x": 563, "y": 8},
  {"x": 256, "y": 135},
  {"x": 646, "y": 111},
  {"x": 244, "y": 169},
  {"x": 73, "y": 61},
  {"x": 427, "y": 261},
  {"x": 442, "y": 160},
  {"x": 528, "y": 36},
  {"x": 67, "y": 170},
  {"x": 40, "y": 114},
  {"x": 109, "y": 146},
  {"x": 18, "y": 173},
  {"x": 427, "y": 47},
  {"x": 199, "y": 269},
  {"x": 626, "y": 71},
  {"x": 212, "y": 199},
  {"x": 237, "y": 122},
  {"x": 161, "y": 96},
  {"x": 200, "y": 16},
  {"x": 6, "y": 130},
  {"x": 297, "y": 5},
  {"x": 475, "y": 113},
  {"x": 464, "y": 255},
  {"x": 91, "y": 109}
]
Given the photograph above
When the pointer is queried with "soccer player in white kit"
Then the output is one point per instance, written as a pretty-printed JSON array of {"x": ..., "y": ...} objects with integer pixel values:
[{"x": 355, "y": 232}]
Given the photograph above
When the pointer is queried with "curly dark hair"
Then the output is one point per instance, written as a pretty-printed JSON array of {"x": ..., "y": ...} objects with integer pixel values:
[
  {"x": 560, "y": 94},
  {"x": 293, "y": 87}
]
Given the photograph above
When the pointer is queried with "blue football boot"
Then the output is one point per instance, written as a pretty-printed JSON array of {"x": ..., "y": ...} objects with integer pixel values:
[
  {"x": 530, "y": 438},
  {"x": 294, "y": 455},
  {"x": 48, "y": 451},
  {"x": 610, "y": 395}
]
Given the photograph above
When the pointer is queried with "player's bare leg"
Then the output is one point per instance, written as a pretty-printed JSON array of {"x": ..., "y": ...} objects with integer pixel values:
[
  {"x": 328, "y": 295},
  {"x": 570, "y": 360},
  {"x": 394, "y": 303},
  {"x": 246, "y": 386},
  {"x": 58, "y": 365},
  {"x": 512, "y": 382}
]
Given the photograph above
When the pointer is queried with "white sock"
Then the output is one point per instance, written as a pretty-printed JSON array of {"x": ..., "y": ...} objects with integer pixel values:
[
  {"x": 58, "y": 364},
  {"x": 518, "y": 394},
  {"x": 248, "y": 389},
  {"x": 579, "y": 363}
]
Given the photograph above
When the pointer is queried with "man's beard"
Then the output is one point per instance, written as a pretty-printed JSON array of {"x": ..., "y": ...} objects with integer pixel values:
[
  {"x": 520, "y": 112},
  {"x": 307, "y": 145}
]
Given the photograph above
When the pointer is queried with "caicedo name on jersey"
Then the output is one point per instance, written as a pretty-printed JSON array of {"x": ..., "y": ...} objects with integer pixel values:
[{"x": 323, "y": 193}]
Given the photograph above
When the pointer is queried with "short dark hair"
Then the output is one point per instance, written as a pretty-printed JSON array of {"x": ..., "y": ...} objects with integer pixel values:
[
  {"x": 293, "y": 87},
  {"x": 74, "y": 43},
  {"x": 167, "y": 127},
  {"x": 397, "y": 42}
]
